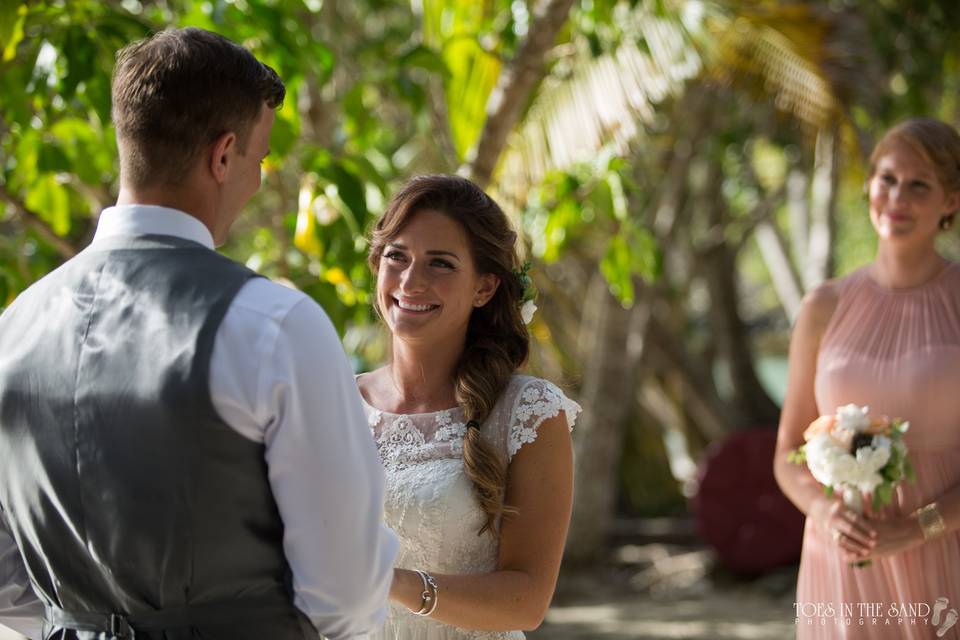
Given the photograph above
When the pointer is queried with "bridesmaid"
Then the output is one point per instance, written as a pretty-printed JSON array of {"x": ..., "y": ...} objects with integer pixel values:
[
  {"x": 886, "y": 336},
  {"x": 478, "y": 457}
]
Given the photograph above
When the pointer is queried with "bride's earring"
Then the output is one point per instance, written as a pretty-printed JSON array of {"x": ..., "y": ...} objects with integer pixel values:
[{"x": 946, "y": 222}]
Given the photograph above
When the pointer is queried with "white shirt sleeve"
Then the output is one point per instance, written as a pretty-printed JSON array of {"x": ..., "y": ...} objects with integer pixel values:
[
  {"x": 279, "y": 375},
  {"x": 20, "y": 609}
]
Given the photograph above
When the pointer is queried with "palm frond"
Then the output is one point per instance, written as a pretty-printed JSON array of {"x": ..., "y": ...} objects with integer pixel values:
[
  {"x": 603, "y": 102},
  {"x": 780, "y": 54}
]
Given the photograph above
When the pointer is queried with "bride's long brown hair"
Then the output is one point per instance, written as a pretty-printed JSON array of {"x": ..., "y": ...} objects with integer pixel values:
[{"x": 497, "y": 341}]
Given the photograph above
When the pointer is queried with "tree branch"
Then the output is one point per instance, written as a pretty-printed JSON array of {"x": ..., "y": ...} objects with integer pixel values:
[
  {"x": 513, "y": 89},
  {"x": 40, "y": 226}
]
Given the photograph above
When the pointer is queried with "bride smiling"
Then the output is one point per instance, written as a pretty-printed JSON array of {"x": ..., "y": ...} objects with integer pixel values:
[{"x": 478, "y": 457}]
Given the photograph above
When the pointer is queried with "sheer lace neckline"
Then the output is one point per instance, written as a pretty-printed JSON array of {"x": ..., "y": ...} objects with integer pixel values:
[{"x": 370, "y": 407}]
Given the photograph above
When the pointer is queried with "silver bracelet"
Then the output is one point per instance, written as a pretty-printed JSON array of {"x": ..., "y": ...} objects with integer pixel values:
[
  {"x": 425, "y": 596},
  {"x": 436, "y": 593},
  {"x": 430, "y": 596}
]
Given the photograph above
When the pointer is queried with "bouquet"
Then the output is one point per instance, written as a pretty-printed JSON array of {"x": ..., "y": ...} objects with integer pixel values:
[{"x": 856, "y": 454}]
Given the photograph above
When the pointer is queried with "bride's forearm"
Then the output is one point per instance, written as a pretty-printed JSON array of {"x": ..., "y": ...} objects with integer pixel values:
[{"x": 497, "y": 601}]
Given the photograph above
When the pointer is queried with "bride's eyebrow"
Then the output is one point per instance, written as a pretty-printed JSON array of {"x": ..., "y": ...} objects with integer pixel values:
[
  {"x": 431, "y": 252},
  {"x": 437, "y": 252}
]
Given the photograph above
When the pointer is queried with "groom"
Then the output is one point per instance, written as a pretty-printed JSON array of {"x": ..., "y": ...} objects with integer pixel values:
[{"x": 183, "y": 451}]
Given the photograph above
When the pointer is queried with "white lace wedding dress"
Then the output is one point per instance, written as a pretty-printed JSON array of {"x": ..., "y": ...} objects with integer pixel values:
[{"x": 430, "y": 502}]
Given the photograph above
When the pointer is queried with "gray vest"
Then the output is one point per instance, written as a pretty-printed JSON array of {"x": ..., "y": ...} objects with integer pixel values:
[{"x": 136, "y": 508}]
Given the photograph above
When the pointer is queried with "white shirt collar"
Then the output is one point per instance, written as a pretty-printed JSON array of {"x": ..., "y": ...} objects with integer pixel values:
[{"x": 148, "y": 219}]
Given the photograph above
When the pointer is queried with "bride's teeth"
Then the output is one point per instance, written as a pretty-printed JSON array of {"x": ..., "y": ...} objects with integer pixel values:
[{"x": 415, "y": 307}]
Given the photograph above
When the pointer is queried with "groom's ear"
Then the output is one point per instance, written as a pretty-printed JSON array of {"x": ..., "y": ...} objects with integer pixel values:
[{"x": 220, "y": 155}]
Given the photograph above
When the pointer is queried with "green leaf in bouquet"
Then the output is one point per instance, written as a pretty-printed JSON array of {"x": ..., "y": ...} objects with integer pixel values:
[
  {"x": 797, "y": 456},
  {"x": 890, "y": 472},
  {"x": 908, "y": 472},
  {"x": 828, "y": 491},
  {"x": 883, "y": 495}
]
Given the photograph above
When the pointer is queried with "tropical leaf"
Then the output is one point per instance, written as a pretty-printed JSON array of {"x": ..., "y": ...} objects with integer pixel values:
[
  {"x": 776, "y": 52},
  {"x": 604, "y": 102},
  {"x": 51, "y": 201},
  {"x": 13, "y": 15},
  {"x": 454, "y": 27}
]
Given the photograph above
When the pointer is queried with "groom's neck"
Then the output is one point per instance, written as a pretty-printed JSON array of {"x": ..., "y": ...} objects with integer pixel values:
[{"x": 189, "y": 201}]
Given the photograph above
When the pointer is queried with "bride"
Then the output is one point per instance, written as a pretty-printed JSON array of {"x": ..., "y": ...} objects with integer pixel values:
[{"x": 478, "y": 457}]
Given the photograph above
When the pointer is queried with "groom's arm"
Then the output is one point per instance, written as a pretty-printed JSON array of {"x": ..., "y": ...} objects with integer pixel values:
[
  {"x": 20, "y": 609},
  {"x": 279, "y": 375}
]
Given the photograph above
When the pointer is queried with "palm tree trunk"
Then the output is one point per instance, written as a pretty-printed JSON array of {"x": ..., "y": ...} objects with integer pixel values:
[
  {"x": 516, "y": 82},
  {"x": 607, "y": 395},
  {"x": 786, "y": 281},
  {"x": 826, "y": 178},
  {"x": 718, "y": 267}
]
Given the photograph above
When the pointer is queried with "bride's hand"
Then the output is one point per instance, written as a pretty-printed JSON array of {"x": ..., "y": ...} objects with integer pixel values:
[
  {"x": 855, "y": 535},
  {"x": 406, "y": 589}
]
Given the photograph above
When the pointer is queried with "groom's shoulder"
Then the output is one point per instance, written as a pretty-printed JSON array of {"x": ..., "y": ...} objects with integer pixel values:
[{"x": 265, "y": 300}]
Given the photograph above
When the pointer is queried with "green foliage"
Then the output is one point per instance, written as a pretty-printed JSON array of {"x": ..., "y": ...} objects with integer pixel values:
[
  {"x": 588, "y": 201},
  {"x": 465, "y": 34},
  {"x": 632, "y": 252},
  {"x": 58, "y": 156}
]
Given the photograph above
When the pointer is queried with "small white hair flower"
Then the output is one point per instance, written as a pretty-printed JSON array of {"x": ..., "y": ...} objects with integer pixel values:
[{"x": 527, "y": 311}]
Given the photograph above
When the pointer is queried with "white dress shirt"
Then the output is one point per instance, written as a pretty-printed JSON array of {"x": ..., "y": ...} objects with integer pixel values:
[{"x": 278, "y": 375}]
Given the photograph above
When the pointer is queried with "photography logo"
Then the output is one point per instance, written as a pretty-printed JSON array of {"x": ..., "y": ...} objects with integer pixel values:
[
  {"x": 943, "y": 621},
  {"x": 941, "y": 616}
]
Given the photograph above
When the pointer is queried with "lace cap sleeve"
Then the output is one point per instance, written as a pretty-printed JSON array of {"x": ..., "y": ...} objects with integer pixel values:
[{"x": 538, "y": 401}]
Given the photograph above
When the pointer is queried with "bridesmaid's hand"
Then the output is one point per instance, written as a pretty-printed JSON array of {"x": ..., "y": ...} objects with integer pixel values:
[
  {"x": 855, "y": 535},
  {"x": 895, "y": 535}
]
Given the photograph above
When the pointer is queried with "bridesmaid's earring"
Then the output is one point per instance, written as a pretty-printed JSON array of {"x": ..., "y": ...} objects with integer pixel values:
[{"x": 946, "y": 222}]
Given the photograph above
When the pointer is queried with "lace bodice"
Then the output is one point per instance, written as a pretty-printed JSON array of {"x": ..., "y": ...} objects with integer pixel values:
[{"x": 430, "y": 501}]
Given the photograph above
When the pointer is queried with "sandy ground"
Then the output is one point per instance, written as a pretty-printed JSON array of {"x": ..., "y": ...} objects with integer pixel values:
[
  {"x": 664, "y": 592},
  {"x": 659, "y": 592}
]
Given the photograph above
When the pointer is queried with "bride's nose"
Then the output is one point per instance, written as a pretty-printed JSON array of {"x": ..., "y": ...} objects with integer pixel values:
[{"x": 413, "y": 280}]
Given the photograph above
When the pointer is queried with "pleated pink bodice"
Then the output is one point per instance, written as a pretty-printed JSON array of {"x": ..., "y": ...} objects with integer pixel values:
[{"x": 898, "y": 352}]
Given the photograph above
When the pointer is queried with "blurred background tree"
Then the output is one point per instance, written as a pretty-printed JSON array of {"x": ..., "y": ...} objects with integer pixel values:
[{"x": 682, "y": 173}]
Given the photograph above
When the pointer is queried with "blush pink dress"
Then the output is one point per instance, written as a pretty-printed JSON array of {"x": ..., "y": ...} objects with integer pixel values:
[{"x": 898, "y": 352}]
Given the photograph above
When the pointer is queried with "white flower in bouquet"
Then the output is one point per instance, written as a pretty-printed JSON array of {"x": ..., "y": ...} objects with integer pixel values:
[
  {"x": 853, "y": 418},
  {"x": 873, "y": 458},
  {"x": 825, "y": 459}
]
